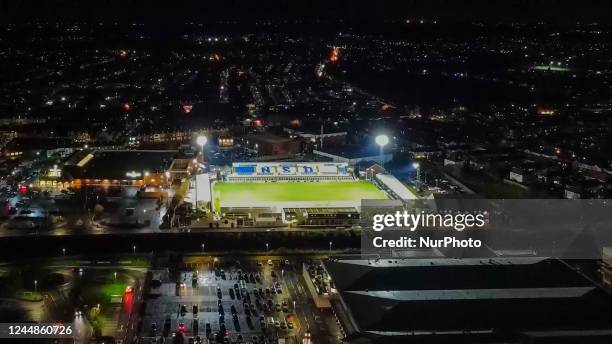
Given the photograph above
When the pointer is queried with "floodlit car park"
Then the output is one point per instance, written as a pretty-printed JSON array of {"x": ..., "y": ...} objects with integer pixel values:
[{"x": 236, "y": 301}]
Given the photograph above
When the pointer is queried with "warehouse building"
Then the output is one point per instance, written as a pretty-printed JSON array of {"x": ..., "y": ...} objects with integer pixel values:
[{"x": 492, "y": 300}]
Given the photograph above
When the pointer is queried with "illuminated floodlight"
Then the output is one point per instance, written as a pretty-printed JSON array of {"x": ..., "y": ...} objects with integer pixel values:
[
  {"x": 201, "y": 140},
  {"x": 415, "y": 165},
  {"x": 382, "y": 140}
]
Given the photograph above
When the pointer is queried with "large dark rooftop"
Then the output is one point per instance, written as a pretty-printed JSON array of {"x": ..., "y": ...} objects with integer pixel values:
[{"x": 505, "y": 296}]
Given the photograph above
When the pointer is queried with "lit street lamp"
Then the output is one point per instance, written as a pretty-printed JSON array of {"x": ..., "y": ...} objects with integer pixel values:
[
  {"x": 35, "y": 285},
  {"x": 417, "y": 166},
  {"x": 202, "y": 247},
  {"x": 134, "y": 249},
  {"x": 64, "y": 252},
  {"x": 267, "y": 246},
  {"x": 382, "y": 141},
  {"x": 330, "y": 247},
  {"x": 115, "y": 274}
]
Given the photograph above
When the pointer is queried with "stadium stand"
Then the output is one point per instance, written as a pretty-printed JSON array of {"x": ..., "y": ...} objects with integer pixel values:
[
  {"x": 394, "y": 186},
  {"x": 285, "y": 172}
]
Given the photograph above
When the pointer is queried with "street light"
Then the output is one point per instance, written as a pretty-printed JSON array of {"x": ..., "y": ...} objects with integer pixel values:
[
  {"x": 115, "y": 274},
  {"x": 202, "y": 247},
  {"x": 417, "y": 166},
  {"x": 64, "y": 252},
  {"x": 330, "y": 246},
  {"x": 382, "y": 141},
  {"x": 267, "y": 246},
  {"x": 35, "y": 285},
  {"x": 134, "y": 249}
]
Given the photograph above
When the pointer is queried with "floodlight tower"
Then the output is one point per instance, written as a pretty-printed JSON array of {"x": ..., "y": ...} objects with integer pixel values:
[
  {"x": 382, "y": 141},
  {"x": 201, "y": 141}
]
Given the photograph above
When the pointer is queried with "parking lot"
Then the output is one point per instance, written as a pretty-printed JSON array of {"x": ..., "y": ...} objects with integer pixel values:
[{"x": 245, "y": 299}]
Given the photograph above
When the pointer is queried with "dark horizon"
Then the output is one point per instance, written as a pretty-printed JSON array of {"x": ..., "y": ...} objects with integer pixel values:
[{"x": 355, "y": 10}]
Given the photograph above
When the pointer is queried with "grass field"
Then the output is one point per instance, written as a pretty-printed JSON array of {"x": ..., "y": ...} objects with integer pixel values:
[{"x": 227, "y": 193}]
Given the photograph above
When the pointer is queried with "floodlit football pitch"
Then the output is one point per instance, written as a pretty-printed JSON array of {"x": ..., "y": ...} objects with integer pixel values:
[{"x": 314, "y": 194}]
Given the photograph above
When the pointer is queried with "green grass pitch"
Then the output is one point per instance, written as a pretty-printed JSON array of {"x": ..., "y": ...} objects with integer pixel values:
[{"x": 296, "y": 191}]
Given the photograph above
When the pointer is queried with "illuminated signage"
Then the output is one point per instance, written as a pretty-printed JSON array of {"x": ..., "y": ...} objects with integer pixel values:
[{"x": 133, "y": 174}]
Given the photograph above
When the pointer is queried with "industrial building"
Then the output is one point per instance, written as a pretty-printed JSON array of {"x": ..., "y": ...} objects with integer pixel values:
[
  {"x": 120, "y": 168},
  {"x": 492, "y": 300}
]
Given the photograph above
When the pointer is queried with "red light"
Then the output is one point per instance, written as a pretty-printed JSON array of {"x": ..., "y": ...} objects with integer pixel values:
[
  {"x": 23, "y": 188},
  {"x": 335, "y": 54},
  {"x": 258, "y": 122},
  {"x": 181, "y": 328},
  {"x": 187, "y": 108},
  {"x": 128, "y": 289},
  {"x": 126, "y": 106}
]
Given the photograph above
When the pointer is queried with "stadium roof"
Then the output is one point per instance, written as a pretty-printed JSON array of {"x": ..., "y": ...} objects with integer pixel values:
[
  {"x": 499, "y": 297},
  {"x": 396, "y": 186},
  {"x": 477, "y": 294}
]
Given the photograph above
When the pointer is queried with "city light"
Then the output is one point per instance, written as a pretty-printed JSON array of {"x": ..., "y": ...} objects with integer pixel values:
[
  {"x": 320, "y": 130},
  {"x": 334, "y": 55},
  {"x": 133, "y": 174}
]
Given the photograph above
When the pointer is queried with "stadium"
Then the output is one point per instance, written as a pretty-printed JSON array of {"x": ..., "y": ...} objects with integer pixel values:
[{"x": 317, "y": 194}]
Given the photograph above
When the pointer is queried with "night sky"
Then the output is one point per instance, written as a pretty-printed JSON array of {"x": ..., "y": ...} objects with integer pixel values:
[{"x": 203, "y": 10}]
